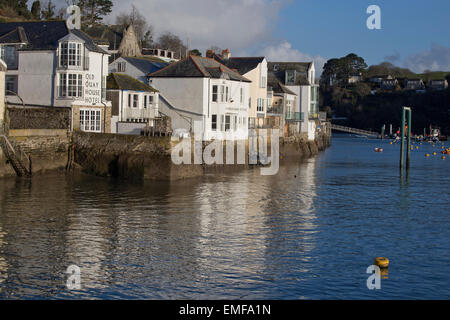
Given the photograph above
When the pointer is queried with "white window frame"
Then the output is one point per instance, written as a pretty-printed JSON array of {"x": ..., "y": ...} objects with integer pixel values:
[
  {"x": 70, "y": 54},
  {"x": 70, "y": 85},
  {"x": 215, "y": 95},
  {"x": 91, "y": 120}
]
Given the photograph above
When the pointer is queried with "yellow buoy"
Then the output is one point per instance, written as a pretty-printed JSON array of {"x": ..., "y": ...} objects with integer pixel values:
[
  {"x": 427, "y": 155},
  {"x": 382, "y": 262},
  {"x": 443, "y": 157},
  {"x": 434, "y": 153}
]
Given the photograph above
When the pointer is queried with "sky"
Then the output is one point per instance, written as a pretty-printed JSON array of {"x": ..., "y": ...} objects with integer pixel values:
[{"x": 414, "y": 33}]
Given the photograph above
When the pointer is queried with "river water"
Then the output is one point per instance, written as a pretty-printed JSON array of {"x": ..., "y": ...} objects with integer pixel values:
[{"x": 308, "y": 233}]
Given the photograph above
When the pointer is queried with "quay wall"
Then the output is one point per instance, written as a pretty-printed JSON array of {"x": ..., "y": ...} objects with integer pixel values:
[
  {"x": 48, "y": 150},
  {"x": 150, "y": 157}
]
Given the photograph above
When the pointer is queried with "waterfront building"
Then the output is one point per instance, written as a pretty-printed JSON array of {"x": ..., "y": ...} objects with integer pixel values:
[
  {"x": 280, "y": 107},
  {"x": 137, "y": 67},
  {"x": 254, "y": 69},
  {"x": 299, "y": 77},
  {"x": 134, "y": 104},
  {"x": 164, "y": 54},
  {"x": 204, "y": 90},
  {"x": 50, "y": 65},
  {"x": 435, "y": 85},
  {"x": 389, "y": 84},
  {"x": 414, "y": 84}
]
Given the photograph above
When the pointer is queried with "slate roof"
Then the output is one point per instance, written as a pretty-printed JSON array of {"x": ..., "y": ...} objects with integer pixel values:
[
  {"x": 301, "y": 69},
  {"x": 111, "y": 35},
  {"x": 198, "y": 67},
  {"x": 120, "y": 81},
  {"x": 277, "y": 86},
  {"x": 243, "y": 65},
  {"x": 41, "y": 35},
  {"x": 147, "y": 64}
]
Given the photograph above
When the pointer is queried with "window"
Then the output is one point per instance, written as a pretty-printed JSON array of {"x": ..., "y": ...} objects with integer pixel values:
[
  {"x": 214, "y": 94},
  {"x": 90, "y": 120},
  {"x": 70, "y": 85},
  {"x": 290, "y": 77},
  {"x": 214, "y": 122},
  {"x": 121, "y": 66},
  {"x": 129, "y": 100},
  {"x": 226, "y": 94},
  {"x": 11, "y": 85},
  {"x": 145, "y": 102},
  {"x": 9, "y": 55},
  {"x": 263, "y": 82},
  {"x": 242, "y": 95},
  {"x": 70, "y": 54},
  {"x": 249, "y": 103},
  {"x": 235, "y": 123},
  {"x": 222, "y": 90},
  {"x": 150, "y": 100},
  {"x": 135, "y": 100},
  {"x": 227, "y": 123},
  {"x": 260, "y": 105}
]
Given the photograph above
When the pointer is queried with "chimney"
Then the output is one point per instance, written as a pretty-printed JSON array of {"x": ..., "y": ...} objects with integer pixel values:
[{"x": 226, "y": 54}]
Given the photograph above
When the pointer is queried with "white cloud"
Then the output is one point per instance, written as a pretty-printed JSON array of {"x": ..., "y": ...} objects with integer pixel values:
[
  {"x": 284, "y": 52},
  {"x": 436, "y": 59},
  {"x": 233, "y": 24}
]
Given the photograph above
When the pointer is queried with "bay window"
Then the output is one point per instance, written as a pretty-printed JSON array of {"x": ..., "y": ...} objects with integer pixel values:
[
  {"x": 70, "y": 85},
  {"x": 214, "y": 94},
  {"x": 70, "y": 54}
]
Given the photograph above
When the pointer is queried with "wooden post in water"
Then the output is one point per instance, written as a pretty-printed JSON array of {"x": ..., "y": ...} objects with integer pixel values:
[
  {"x": 402, "y": 148},
  {"x": 408, "y": 155},
  {"x": 402, "y": 145}
]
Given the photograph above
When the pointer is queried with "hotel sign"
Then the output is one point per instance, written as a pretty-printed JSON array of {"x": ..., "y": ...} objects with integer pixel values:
[{"x": 92, "y": 89}]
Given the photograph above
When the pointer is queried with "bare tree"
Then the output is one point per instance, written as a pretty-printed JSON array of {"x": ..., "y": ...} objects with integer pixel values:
[
  {"x": 144, "y": 31},
  {"x": 172, "y": 42}
]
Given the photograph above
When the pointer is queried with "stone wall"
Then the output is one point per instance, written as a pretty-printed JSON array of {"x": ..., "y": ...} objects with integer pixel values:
[
  {"x": 39, "y": 117},
  {"x": 143, "y": 157},
  {"x": 48, "y": 150}
]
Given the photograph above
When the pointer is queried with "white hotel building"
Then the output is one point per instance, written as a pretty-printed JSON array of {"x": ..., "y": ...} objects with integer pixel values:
[{"x": 50, "y": 65}]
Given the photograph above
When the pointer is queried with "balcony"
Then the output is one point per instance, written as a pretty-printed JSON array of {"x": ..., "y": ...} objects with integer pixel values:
[
  {"x": 313, "y": 116},
  {"x": 275, "y": 110},
  {"x": 295, "y": 116},
  {"x": 136, "y": 113}
]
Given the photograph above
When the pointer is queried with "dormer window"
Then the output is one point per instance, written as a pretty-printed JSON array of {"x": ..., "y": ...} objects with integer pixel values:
[
  {"x": 290, "y": 77},
  {"x": 70, "y": 54}
]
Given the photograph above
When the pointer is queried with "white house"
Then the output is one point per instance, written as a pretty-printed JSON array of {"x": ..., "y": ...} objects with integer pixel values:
[
  {"x": 299, "y": 77},
  {"x": 204, "y": 90},
  {"x": 50, "y": 65},
  {"x": 134, "y": 104},
  {"x": 137, "y": 67},
  {"x": 254, "y": 69}
]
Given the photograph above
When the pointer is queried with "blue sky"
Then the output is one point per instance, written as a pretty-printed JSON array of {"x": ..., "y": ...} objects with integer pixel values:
[
  {"x": 414, "y": 34},
  {"x": 331, "y": 28}
]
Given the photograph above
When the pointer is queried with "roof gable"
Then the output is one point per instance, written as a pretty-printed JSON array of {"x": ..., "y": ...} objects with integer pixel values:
[
  {"x": 199, "y": 67},
  {"x": 120, "y": 81},
  {"x": 146, "y": 65}
]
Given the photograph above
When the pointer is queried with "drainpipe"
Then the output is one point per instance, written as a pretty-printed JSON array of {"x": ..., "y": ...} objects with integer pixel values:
[{"x": 101, "y": 97}]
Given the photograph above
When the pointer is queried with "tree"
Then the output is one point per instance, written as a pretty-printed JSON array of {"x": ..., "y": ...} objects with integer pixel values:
[
  {"x": 48, "y": 12},
  {"x": 339, "y": 70},
  {"x": 93, "y": 11},
  {"x": 144, "y": 32},
  {"x": 22, "y": 8},
  {"x": 36, "y": 10},
  {"x": 195, "y": 52},
  {"x": 172, "y": 42}
]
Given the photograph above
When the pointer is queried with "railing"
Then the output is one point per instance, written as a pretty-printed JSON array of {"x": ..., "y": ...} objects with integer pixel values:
[
  {"x": 275, "y": 110},
  {"x": 295, "y": 116},
  {"x": 136, "y": 113},
  {"x": 20, "y": 161},
  {"x": 313, "y": 116},
  {"x": 355, "y": 131}
]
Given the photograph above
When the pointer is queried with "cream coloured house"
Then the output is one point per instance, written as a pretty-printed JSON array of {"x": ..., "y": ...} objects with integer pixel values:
[{"x": 254, "y": 69}]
